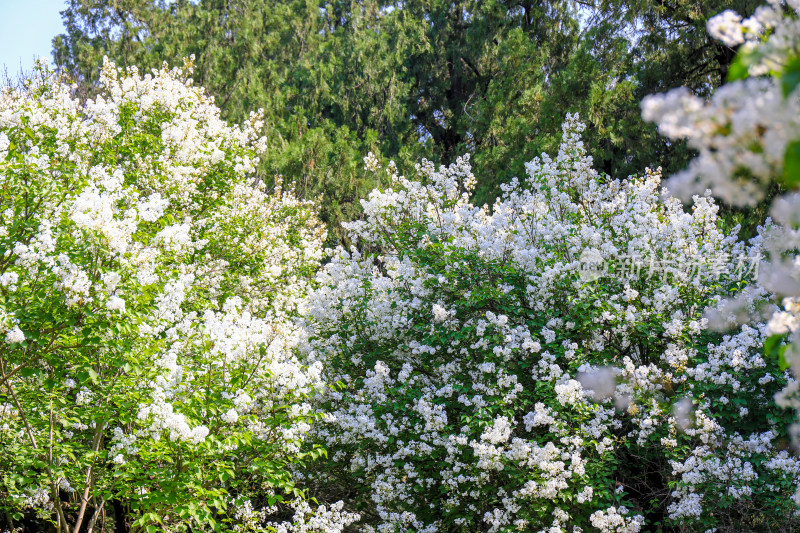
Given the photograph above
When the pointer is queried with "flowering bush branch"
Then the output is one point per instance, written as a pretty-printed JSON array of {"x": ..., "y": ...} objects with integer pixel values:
[
  {"x": 150, "y": 293},
  {"x": 491, "y": 385}
]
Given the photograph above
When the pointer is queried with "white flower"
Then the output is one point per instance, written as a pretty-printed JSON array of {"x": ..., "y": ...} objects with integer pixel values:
[
  {"x": 570, "y": 392},
  {"x": 9, "y": 279},
  {"x": 230, "y": 416},
  {"x": 727, "y": 27},
  {"x": 84, "y": 397},
  {"x": 440, "y": 314},
  {"x": 15, "y": 336},
  {"x": 115, "y": 303},
  {"x": 371, "y": 163}
]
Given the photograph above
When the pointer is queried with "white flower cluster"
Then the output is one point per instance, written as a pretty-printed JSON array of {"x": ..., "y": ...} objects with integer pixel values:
[
  {"x": 145, "y": 263},
  {"x": 322, "y": 519},
  {"x": 488, "y": 385},
  {"x": 744, "y": 129},
  {"x": 766, "y": 40},
  {"x": 614, "y": 520},
  {"x": 319, "y": 520},
  {"x": 747, "y": 135}
]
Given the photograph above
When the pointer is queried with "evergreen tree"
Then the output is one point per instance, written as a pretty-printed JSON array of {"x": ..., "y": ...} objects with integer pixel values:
[{"x": 420, "y": 78}]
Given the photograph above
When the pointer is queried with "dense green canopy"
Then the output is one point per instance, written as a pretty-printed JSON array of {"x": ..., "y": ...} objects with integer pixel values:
[{"x": 420, "y": 78}]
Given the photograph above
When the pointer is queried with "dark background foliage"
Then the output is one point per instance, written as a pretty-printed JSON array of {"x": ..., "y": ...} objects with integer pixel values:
[{"x": 420, "y": 78}]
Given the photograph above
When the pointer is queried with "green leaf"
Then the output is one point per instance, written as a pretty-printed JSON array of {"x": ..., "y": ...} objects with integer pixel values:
[
  {"x": 791, "y": 165},
  {"x": 791, "y": 76},
  {"x": 28, "y": 372},
  {"x": 782, "y": 362},
  {"x": 771, "y": 344},
  {"x": 773, "y": 348},
  {"x": 737, "y": 70}
]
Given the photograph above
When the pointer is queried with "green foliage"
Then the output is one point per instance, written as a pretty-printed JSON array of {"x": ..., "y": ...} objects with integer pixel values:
[
  {"x": 491, "y": 381},
  {"x": 419, "y": 78},
  {"x": 148, "y": 291}
]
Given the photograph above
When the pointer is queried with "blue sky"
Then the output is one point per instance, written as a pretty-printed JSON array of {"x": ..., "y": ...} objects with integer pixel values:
[{"x": 26, "y": 29}]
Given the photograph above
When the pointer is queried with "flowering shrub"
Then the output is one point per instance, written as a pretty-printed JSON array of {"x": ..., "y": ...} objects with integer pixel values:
[
  {"x": 545, "y": 365},
  {"x": 148, "y": 302},
  {"x": 750, "y": 126},
  {"x": 748, "y": 138}
]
